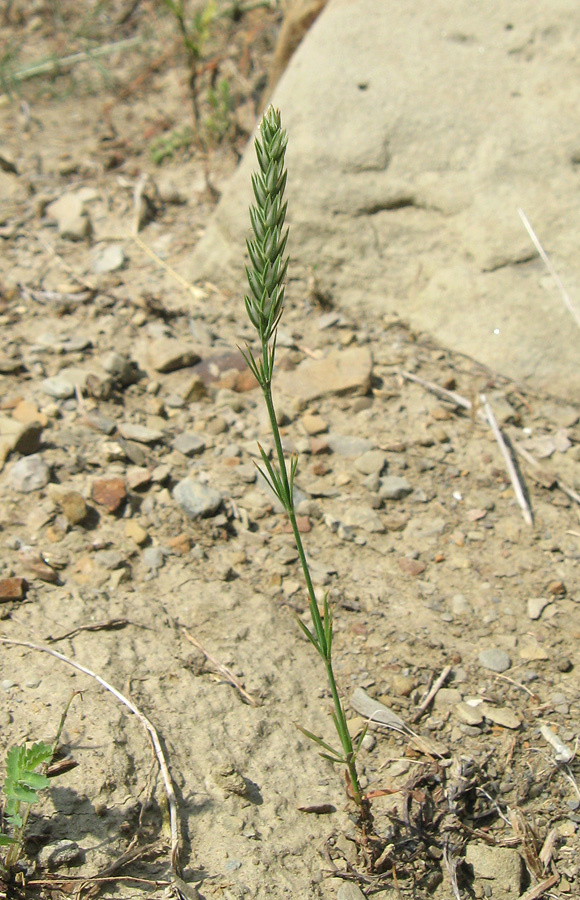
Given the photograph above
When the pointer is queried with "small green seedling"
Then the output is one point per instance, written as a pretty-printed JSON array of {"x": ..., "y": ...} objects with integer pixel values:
[
  {"x": 195, "y": 32},
  {"x": 265, "y": 304},
  {"x": 21, "y": 786}
]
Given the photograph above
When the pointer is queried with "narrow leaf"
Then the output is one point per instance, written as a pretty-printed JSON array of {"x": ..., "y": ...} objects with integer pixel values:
[
  {"x": 336, "y": 760},
  {"x": 361, "y": 738},
  {"x": 318, "y": 740},
  {"x": 311, "y": 637},
  {"x": 327, "y": 621}
]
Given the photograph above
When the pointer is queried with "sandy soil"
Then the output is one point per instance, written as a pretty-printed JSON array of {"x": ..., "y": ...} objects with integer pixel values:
[{"x": 409, "y": 519}]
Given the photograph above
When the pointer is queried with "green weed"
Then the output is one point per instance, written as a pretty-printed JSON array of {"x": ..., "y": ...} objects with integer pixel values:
[
  {"x": 220, "y": 122},
  {"x": 167, "y": 145},
  {"x": 21, "y": 786},
  {"x": 195, "y": 31}
]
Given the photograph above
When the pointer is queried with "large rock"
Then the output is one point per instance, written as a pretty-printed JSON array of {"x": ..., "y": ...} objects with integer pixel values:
[{"x": 416, "y": 131}]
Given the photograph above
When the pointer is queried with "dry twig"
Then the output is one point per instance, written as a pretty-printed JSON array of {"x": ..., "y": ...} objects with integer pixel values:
[
  {"x": 223, "y": 670},
  {"x": 430, "y": 695},
  {"x": 457, "y": 399},
  {"x": 546, "y": 260},
  {"x": 525, "y": 454},
  {"x": 539, "y": 890},
  {"x": 512, "y": 471},
  {"x": 54, "y": 66},
  {"x": 169, "y": 792}
]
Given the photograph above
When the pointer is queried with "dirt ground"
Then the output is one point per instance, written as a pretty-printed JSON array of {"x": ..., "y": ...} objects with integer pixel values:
[{"x": 124, "y": 402}]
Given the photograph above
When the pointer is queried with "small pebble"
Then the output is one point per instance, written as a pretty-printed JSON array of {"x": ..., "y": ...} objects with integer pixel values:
[
  {"x": 57, "y": 387},
  {"x": 495, "y": 660},
  {"x": 154, "y": 557},
  {"x": 371, "y": 462},
  {"x": 189, "y": 444},
  {"x": 197, "y": 499},
  {"x": 394, "y": 487},
  {"x": 60, "y": 853},
  {"x": 29, "y": 474},
  {"x": 536, "y": 605}
]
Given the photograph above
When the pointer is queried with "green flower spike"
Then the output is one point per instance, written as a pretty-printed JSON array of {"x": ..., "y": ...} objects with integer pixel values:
[
  {"x": 264, "y": 304},
  {"x": 268, "y": 268}
]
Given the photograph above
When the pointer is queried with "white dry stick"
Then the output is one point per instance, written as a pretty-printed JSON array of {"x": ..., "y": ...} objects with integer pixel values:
[
  {"x": 535, "y": 241},
  {"x": 548, "y": 847},
  {"x": 432, "y": 693},
  {"x": 169, "y": 792},
  {"x": 436, "y": 389},
  {"x": 55, "y": 65},
  {"x": 196, "y": 293},
  {"x": 538, "y": 891},
  {"x": 574, "y": 495},
  {"x": 466, "y": 404},
  {"x": 520, "y": 497}
]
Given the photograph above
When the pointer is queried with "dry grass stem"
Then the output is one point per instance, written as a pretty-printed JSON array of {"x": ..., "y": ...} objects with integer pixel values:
[
  {"x": 56, "y": 66},
  {"x": 512, "y": 471},
  {"x": 546, "y": 260},
  {"x": 436, "y": 389},
  {"x": 538, "y": 891},
  {"x": 197, "y": 293},
  {"x": 431, "y": 693},
  {"x": 223, "y": 670},
  {"x": 533, "y": 462},
  {"x": 164, "y": 768},
  {"x": 548, "y": 847}
]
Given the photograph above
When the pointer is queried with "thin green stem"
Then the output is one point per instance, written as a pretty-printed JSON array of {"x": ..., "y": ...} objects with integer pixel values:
[{"x": 323, "y": 648}]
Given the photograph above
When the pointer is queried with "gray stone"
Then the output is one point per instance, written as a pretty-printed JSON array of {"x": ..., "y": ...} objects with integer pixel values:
[
  {"x": 110, "y": 559},
  {"x": 365, "y": 518},
  {"x": 501, "y": 715},
  {"x": 372, "y": 172},
  {"x": 29, "y": 474},
  {"x": 460, "y": 605},
  {"x": 58, "y": 387},
  {"x": 22, "y": 437},
  {"x": 446, "y": 697},
  {"x": 494, "y": 659},
  {"x": 380, "y": 714},
  {"x": 110, "y": 258},
  {"x": 75, "y": 343},
  {"x": 154, "y": 557},
  {"x": 61, "y": 853},
  {"x": 471, "y": 715},
  {"x": 197, "y": 499},
  {"x": 101, "y": 423},
  {"x": 246, "y": 473},
  {"x": 372, "y": 482},
  {"x": 394, "y": 487},
  {"x": 371, "y": 462},
  {"x": 189, "y": 444},
  {"x": 348, "y": 890},
  {"x": 169, "y": 354},
  {"x": 327, "y": 320},
  {"x": 140, "y": 433},
  {"x": 348, "y": 444}
]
